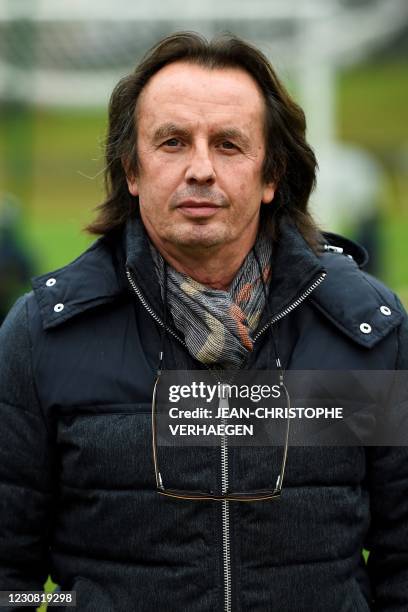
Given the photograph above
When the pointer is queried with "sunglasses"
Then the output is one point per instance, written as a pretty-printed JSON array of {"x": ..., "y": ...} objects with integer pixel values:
[{"x": 241, "y": 496}]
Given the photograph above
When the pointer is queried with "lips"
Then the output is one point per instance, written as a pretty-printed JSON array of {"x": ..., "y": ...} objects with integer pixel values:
[
  {"x": 198, "y": 208},
  {"x": 197, "y": 204}
]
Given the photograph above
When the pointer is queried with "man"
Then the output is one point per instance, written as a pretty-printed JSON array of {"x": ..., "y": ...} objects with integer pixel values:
[{"x": 208, "y": 259}]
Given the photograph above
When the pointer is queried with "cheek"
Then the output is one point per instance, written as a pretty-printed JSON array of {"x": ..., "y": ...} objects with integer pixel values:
[
  {"x": 249, "y": 184},
  {"x": 162, "y": 177},
  {"x": 147, "y": 195},
  {"x": 155, "y": 193}
]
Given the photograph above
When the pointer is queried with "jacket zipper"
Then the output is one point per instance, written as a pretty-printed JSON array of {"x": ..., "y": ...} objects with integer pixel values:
[
  {"x": 292, "y": 306},
  {"x": 226, "y": 548},
  {"x": 149, "y": 309},
  {"x": 226, "y": 551}
]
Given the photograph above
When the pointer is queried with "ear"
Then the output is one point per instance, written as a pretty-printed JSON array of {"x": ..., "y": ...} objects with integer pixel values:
[
  {"x": 132, "y": 185},
  {"x": 130, "y": 178},
  {"x": 268, "y": 193}
]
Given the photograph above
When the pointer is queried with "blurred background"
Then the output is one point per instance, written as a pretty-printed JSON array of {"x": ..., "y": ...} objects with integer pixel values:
[{"x": 344, "y": 61}]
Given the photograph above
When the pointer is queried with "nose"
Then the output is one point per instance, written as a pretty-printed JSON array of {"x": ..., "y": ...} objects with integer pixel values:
[{"x": 200, "y": 169}]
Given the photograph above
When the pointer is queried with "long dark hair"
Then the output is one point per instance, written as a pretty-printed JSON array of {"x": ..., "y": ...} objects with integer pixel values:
[{"x": 289, "y": 160}]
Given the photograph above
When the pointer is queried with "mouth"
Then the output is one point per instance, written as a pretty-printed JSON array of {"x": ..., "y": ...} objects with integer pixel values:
[{"x": 198, "y": 208}]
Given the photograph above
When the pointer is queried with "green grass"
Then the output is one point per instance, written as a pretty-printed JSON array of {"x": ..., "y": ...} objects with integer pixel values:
[
  {"x": 372, "y": 106},
  {"x": 372, "y": 112},
  {"x": 55, "y": 243},
  {"x": 48, "y": 588}
]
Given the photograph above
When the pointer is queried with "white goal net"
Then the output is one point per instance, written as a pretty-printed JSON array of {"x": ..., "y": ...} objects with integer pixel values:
[{"x": 71, "y": 53}]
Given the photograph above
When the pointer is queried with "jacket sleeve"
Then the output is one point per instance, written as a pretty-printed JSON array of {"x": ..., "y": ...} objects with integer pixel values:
[
  {"x": 25, "y": 463},
  {"x": 388, "y": 536}
]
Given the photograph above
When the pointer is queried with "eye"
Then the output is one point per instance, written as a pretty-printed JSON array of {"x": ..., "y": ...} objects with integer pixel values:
[
  {"x": 227, "y": 145},
  {"x": 172, "y": 142}
]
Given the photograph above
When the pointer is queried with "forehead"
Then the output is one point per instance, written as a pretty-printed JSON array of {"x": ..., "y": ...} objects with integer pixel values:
[{"x": 186, "y": 91}]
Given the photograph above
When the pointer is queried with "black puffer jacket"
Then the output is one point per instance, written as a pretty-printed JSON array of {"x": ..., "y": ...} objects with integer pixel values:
[{"x": 77, "y": 489}]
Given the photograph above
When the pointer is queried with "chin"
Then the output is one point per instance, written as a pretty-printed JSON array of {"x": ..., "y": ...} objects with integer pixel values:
[
  {"x": 199, "y": 243},
  {"x": 204, "y": 237}
]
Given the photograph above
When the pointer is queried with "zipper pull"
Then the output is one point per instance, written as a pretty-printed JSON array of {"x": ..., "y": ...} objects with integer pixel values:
[{"x": 224, "y": 395}]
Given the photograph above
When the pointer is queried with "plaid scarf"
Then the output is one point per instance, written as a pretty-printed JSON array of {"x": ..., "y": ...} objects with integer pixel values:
[{"x": 218, "y": 326}]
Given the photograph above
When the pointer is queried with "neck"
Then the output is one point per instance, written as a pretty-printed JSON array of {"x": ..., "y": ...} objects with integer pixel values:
[{"x": 215, "y": 269}]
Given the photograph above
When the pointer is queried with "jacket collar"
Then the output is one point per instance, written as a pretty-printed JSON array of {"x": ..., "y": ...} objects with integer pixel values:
[
  {"x": 89, "y": 281},
  {"x": 346, "y": 297}
]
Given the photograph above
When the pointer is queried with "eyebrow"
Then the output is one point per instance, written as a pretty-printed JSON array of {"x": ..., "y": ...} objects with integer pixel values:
[
  {"x": 233, "y": 134},
  {"x": 167, "y": 130}
]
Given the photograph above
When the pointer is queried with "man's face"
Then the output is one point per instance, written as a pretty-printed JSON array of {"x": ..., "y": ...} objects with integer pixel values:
[{"x": 200, "y": 144}]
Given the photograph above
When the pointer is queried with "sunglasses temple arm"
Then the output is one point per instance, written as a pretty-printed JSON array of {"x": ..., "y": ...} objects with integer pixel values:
[
  {"x": 279, "y": 481},
  {"x": 159, "y": 482}
]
